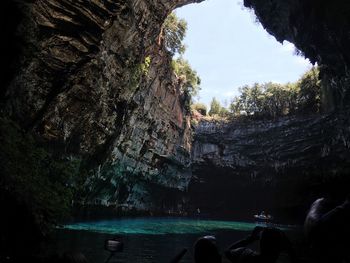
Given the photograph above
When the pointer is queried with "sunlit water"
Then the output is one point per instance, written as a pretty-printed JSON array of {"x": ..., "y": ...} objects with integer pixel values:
[{"x": 148, "y": 239}]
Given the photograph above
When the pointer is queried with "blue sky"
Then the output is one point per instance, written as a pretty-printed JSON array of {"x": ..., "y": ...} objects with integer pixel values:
[{"x": 228, "y": 49}]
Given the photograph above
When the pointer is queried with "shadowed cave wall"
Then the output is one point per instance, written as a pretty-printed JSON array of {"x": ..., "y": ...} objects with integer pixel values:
[
  {"x": 76, "y": 77},
  {"x": 244, "y": 166}
]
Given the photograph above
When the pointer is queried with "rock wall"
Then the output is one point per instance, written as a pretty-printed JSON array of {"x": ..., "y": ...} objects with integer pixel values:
[
  {"x": 79, "y": 66},
  {"x": 245, "y": 166},
  {"x": 92, "y": 80},
  {"x": 151, "y": 155}
]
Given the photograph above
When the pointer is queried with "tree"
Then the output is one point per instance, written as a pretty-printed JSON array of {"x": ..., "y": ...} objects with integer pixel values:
[
  {"x": 310, "y": 91},
  {"x": 235, "y": 105},
  {"x": 215, "y": 107},
  {"x": 251, "y": 98},
  {"x": 188, "y": 76},
  {"x": 201, "y": 108},
  {"x": 274, "y": 99},
  {"x": 224, "y": 112},
  {"x": 292, "y": 99},
  {"x": 174, "y": 31}
]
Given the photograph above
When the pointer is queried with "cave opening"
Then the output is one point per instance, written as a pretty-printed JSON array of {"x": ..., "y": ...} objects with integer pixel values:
[
  {"x": 115, "y": 136},
  {"x": 234, "y": 171},
  {"x": 229, "y": 48},
  {"x": 240, "y": 165}
]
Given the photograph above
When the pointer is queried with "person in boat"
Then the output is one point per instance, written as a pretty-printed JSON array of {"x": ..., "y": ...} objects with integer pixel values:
[
  {"x": 272, "y": 242},
  {"x": 327, "y": 230},
  {"x": 263, "y": 216}
]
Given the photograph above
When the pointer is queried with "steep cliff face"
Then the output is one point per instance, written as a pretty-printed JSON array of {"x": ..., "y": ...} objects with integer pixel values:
[
  {"x": 151, "y": 154},
  {"x": 80, "y": 65},
  {"x": 320, "y": 30},
  {"x": 92, "y": 80},
  {"x": 244, "y": 166}
]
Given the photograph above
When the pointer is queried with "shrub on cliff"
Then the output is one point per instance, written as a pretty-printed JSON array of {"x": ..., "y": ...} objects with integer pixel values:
[
  {"x": 190, "y": 81},
  {"x": 174, "y": 31},
  {"x": 200, "y": 107},
  {"x": 215, "y": 107},
  {"x": 217, "y": 110}
]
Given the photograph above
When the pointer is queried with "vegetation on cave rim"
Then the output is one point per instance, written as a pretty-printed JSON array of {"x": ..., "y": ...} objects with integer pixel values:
[
  {"x": 137, "y": 72},
  {"x": 272, "y": 100},
  {"x": 174, "y": 32}
]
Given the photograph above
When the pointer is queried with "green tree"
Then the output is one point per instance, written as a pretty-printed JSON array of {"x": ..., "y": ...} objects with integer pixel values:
[
  {"x": 215, "y": 107},
  {"x": 251, "y": 98},
  {"x": 174, "y": 31},
  {"x": 235, "y": 106},
  {"x": 224, "y": 112},
  {"x": 310, "y": 91},
  {"x": 292, "y": 97},
  {"x": 188, "y": 76},
  {"x": 201, "y": 108},
  {"x": 274, "y": 99}
]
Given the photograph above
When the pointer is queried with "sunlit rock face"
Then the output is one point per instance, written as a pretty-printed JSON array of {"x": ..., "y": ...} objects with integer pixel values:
[
  {"x": 79, "y": 66},
  {"x": 92, "y": 79},
  {"x": 151, "y": 154},
  {"x": 244, "y": 166},
  {"x": 320, "y": 30}
]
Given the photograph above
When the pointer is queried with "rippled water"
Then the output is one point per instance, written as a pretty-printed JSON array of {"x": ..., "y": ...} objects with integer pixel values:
[
  {"x": 146, "y": 239},
  {"x": 159, "y": 226}
]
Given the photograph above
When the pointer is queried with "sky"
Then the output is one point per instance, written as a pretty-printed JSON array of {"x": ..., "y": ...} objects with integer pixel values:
[{"x": 229, "y": 49}]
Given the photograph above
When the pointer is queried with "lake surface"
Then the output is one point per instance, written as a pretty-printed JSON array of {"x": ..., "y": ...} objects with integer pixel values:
[{"x": 148, "y": 239}]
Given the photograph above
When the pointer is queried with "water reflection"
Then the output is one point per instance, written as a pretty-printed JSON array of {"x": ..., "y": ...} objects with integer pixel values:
[
  {"x": 146, "y": 239},
  {"x": 159, "y": 226}
]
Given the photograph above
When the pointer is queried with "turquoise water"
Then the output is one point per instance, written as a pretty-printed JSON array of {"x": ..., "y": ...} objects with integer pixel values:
[
  {"x": 148, "y": 240},
  {"x": 159, "y": 226}
]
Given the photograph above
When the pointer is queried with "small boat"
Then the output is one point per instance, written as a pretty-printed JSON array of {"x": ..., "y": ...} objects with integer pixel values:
[{"x": 263, "y": 217}]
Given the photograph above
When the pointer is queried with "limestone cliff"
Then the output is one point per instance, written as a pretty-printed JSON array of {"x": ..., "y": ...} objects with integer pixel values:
[
  {"x": 151, "y": 154},
  {"x": 245, "y": 166},
  {"x": 92, "y": 80}
]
